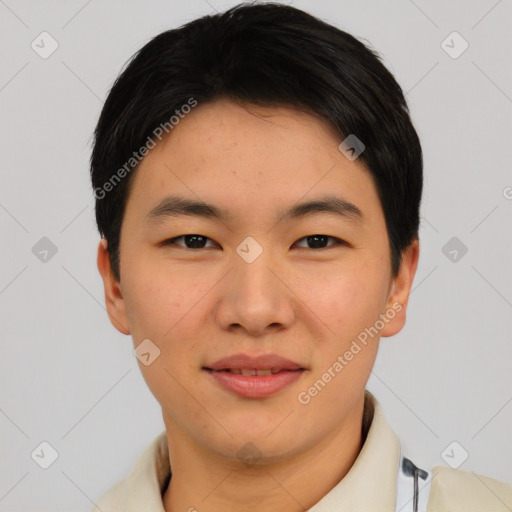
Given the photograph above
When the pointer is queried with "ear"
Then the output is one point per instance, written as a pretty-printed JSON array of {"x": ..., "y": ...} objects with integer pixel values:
[
  {"x": 400, "y": 290},
  {"x": 114, "y": 300}
]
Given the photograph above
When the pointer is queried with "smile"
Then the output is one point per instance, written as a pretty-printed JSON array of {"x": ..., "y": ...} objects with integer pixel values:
[{"x": 252, "y": 383}]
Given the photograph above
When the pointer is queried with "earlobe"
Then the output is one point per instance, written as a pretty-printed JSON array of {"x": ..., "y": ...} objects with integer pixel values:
[
  {"x": 401, "y": 288},
  {"x": 114, "y": 300}
]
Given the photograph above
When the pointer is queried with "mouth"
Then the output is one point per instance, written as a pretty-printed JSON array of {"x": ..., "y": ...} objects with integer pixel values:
[{"x": 254, "y": 377}]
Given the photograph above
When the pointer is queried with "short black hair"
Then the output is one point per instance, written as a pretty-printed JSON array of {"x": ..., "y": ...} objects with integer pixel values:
[{"x": 268, "y": 55}]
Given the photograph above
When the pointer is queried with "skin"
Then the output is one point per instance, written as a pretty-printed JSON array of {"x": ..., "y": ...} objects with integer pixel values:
[{"x": 305, "y": 303}]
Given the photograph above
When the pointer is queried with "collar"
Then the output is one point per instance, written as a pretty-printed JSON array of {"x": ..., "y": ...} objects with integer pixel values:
[{"x": 369, "y": 486}]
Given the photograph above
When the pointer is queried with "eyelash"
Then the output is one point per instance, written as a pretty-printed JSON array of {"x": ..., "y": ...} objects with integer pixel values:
[{"x": 338, "y": 242}]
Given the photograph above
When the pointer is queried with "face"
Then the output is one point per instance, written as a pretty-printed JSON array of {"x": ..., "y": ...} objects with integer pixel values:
[{"x": 241, "y": 278}]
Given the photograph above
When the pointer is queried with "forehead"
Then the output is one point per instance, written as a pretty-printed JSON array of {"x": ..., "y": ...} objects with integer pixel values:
[
  {"x": 276, "y": 135},
  {"x": 251, "y": 159}
]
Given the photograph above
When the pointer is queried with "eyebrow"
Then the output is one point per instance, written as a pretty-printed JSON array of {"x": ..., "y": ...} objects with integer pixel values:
[{"x": 176, "y": 206}]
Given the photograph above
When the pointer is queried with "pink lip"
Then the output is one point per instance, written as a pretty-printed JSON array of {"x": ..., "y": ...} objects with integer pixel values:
[{"x": 255, "y": 386}]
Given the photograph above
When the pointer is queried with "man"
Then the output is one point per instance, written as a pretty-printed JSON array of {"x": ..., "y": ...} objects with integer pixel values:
[{"x": 258, "y": 183}]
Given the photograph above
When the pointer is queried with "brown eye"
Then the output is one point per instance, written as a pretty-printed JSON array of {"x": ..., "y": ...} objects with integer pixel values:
[
  {"x": 318, "y": 242},
  {"x": 189, "y": 241}
]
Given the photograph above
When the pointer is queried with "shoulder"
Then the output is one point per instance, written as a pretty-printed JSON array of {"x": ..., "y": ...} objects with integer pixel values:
[
  {"x": 455, "y": 490},
  {"x": 142, "y": 488}
]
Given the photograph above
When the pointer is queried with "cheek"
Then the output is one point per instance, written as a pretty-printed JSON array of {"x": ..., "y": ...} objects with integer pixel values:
[
  {"x": 154, "y": 301},
  {"x": 346, "y": 300},
  {"x": 161, "y": 305},
  {"x": 169, "y": 305}
]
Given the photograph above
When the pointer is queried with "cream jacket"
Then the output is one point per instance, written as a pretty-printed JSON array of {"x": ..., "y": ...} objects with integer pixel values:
[{"x": 369, "y": 486}]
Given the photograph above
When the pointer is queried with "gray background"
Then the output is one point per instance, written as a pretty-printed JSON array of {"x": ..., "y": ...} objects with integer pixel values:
[{"x": 70, "y": 379}]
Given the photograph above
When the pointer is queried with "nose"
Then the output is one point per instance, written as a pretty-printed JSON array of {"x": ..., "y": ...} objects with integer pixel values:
[{"x": 254, "y": 298}]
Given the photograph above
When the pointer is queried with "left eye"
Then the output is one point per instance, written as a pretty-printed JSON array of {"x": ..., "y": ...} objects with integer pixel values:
[{"x": 319, "y": 241}]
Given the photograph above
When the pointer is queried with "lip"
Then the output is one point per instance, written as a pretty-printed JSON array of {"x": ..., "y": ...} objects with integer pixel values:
[
  {"x": 261, "y": 362},
  {"x": 255, "y": 386}
]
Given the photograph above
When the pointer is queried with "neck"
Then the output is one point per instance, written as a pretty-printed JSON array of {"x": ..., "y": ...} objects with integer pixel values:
[{"x": 205, "y": 481}]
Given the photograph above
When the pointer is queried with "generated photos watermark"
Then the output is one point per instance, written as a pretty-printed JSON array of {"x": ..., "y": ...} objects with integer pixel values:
[{"x": 361, "y": 341}]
